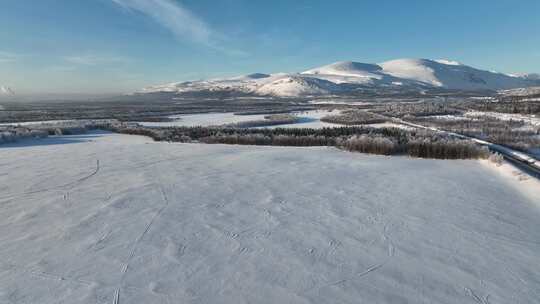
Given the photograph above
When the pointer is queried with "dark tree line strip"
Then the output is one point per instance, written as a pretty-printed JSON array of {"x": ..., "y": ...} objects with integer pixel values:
[
  {"x": 355, "y": 117},
  {"x": 13, "y": 133},
  {"x": 385, "y": 141},
  {"x": 512, "y": 133}
]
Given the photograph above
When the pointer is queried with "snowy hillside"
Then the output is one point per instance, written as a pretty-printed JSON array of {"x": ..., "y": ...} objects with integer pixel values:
[
  {"x": 109, "y": 218},
  {"x": 296, "y": 85},
  {"x": 451, "y": 75},
  {"x": 346, "y": 77}
]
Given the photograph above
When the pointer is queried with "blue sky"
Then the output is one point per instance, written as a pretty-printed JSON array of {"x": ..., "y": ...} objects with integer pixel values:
[{"x": 109, "y": 46}]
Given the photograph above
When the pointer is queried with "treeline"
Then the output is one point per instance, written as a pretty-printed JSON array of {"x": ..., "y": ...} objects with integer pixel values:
[
  {"x": 418, "y": 146},
  {"x": 262, "y": 140},
  {"x": 446, "y": 148},
  {"x": 355, "y": 117},
  {"x": 13, "y": 133},
  {"x": 374, "y": 144},
  {"x": 9, "y": 135},
  {"x": 514, "y": 105},
  {"x": 516, "y": 134},
  {"x": 385, "y": 141},
  {"x": 427, "y": 108}
]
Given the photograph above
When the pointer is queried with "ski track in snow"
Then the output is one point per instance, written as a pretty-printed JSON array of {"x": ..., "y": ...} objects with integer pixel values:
[
  {"x": 139, "y": 239},
  {"x": 189, "y": 223},
  {"x": 67, "y": 185}
]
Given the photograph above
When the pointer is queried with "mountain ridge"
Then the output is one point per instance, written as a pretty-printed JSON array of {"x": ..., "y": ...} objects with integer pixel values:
[{"x": 347, "y": 77}]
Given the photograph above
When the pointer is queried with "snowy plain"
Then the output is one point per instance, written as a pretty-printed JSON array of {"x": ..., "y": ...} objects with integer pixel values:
[
  {"x": 109, "y": 218},
  {"x": 309, "y": 119}
]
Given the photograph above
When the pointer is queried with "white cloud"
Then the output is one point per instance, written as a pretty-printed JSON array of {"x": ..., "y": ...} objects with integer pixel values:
[
  {"x": 181, "y": 22},
  {"x": 173, "y": 16}
]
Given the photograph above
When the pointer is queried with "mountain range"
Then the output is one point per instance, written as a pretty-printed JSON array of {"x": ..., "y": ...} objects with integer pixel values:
[{"x": 350, "y": 78}]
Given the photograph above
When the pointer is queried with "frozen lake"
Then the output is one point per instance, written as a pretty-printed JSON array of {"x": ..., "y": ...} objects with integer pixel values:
[{"x": 109, "y": 218}]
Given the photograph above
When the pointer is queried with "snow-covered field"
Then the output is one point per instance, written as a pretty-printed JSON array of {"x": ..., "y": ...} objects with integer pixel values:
[
  {"x": 109, "y": 218},
  {"x": 530, "y": 119},
  {"x": 311, "y": 118},
  {"x": 203, "y": 120}
]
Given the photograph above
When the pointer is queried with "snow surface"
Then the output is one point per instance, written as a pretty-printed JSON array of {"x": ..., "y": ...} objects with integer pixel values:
[
  {"x": 204, "y": 120},
  {"x": 448, "y": 62},
  {"x": 415, "y": 69},
  {"x": 521, "y": 181},
  {"x": 297, "y": 86},
  {"x": 311, "y": 119},
  {"x": 109, "y": 218},
  {"x": 450, "y": 75}
]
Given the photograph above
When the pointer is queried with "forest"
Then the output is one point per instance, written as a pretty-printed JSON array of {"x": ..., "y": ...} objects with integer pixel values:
[{"x": 385, "y": 141}]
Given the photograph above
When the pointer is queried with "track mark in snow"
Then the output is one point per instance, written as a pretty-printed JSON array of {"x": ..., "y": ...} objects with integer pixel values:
[
  {"x": 358, "y": 275},
  {"x": 333, "y": 245},
  {"x": 370, "y": 269},
  {"x": 91, "y": 174},
  {"x": 80, "y": 180},
  {"x": 70, "y": 184},
  {"x": 116, "y": 296},
  {"x": 524, "y": 284},
  {"x": 103, "y": 237},
  {"x": 478, "y": 299},
  {"x": 138, "y": 240},
  {"x": 174, "y": 251},
  {"x": 391, "y": 249},
  {"x": 50, "y": 276}
]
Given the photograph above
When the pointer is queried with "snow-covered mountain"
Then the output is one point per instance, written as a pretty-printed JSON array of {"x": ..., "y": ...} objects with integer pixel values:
[
  {"x": 297, "y": 85},
  {"x": 348, "y": 77}
]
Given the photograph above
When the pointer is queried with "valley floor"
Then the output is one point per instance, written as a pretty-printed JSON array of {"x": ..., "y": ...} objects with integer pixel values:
[{"x": 110, "y": 218}]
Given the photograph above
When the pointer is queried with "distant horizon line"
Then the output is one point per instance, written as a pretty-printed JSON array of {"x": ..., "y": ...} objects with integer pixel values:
[{"x": 112, "y": 93}]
